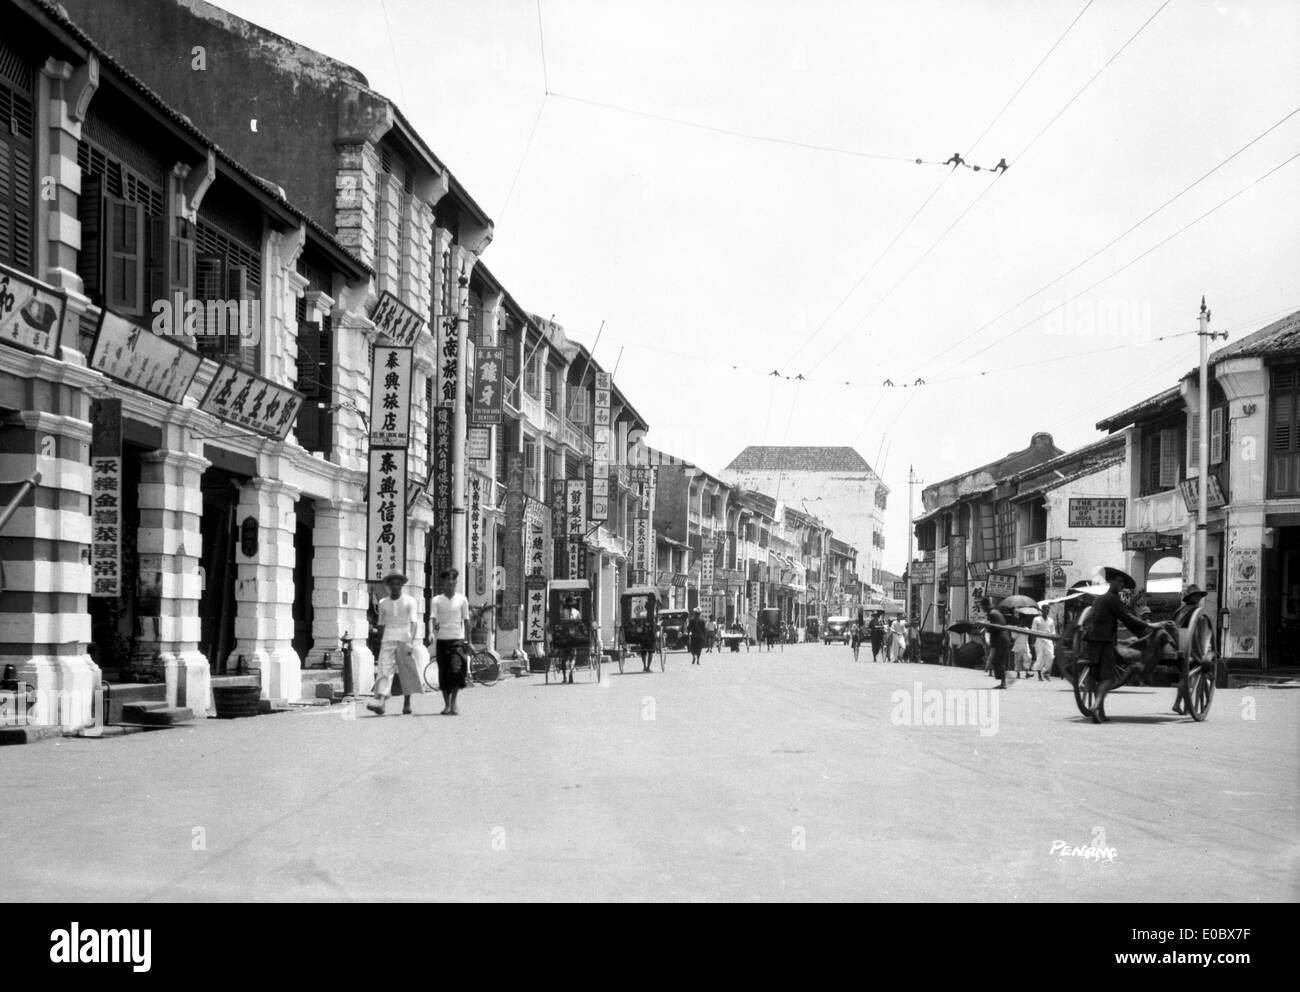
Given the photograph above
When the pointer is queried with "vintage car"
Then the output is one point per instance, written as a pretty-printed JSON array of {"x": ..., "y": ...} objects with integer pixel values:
[{"x": 837, "y": 629}]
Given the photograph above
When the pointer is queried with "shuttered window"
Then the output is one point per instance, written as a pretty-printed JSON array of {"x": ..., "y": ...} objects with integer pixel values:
[
  {"x": 1284, "y": 433},
  {"x": 17, "y": 177},
  {"x": 226, "y": 273}
]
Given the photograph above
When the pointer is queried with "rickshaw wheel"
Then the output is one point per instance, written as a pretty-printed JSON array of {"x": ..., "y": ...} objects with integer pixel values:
[
  {"x": 1201, "y": 662},
  {"x": 1085, "y": 689}
]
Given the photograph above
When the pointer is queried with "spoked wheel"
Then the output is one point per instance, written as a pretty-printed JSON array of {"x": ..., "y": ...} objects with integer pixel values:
[
  {"x": 1085, "y": 689},
  {"x": 483, "y": 668},
  {"x": 1202, "y": 662}
]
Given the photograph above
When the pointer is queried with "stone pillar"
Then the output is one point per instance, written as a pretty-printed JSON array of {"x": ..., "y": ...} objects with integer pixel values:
[
  {"x": 70, "y": 90},
  {"x": 418, "y": 525},
  {"x": 171, "y": 517},
  {"x": 44, "y": 618},
  {"x": 355, "y": 187},
  {"x": 388, "y": 236},
  {"x": 264, "y": 590},
  {"x": 340, "y": 594}
]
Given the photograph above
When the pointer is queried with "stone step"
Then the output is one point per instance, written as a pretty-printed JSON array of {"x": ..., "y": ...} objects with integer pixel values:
[
  {"x": 157, "y": 716},
  {"x": 28, "y": 734},
  {"x": 124, "y": 694}
]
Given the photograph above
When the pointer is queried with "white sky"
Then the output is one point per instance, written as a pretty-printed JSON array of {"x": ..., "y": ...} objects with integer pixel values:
[{"x": 702, "y": 250}]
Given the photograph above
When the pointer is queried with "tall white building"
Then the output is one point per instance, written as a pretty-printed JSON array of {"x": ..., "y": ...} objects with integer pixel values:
[{"x": 834, "y": 484}]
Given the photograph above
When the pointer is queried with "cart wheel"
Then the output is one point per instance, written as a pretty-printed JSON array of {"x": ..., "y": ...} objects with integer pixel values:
[
  {"x": 1201, "y": 661},
  {"x": 1085, "y": 689}
]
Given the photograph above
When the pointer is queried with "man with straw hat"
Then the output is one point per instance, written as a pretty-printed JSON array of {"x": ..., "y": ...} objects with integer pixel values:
[
  {"x": 399, "y": 615},
  {"x": 1107, "y": 613},
  {"x": 1192, "y": 599}
]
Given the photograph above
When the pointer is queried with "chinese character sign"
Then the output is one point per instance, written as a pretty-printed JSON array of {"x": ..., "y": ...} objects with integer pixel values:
[
  {"x": 1097, "y": 512},
  {"x": 489, "y": 366},
  {"x": 559, "y": 529},
  {"x": 252, "y": 401},
  {"x": 390, "y": 397},
  {"x": 386, "y": 524},
  {"x": 448, "y": 364},
  {"x": 478, "y": 444},
  {"x": 706, "y": 568},
  {"x": 150, "y": 362},
  {"x": 106, "y": 519},
  {"x": 442, "y": 484},
  {"x": 31, "y": 315},
  {"x": 396, "y": 321},
  {"x": 514, "y": 549},
  {"x": 577, "y": 509},
  {"x": 536, "y": 550},
  {"x": 535, "y": 612},
  {"x": 475, "y": 550}
]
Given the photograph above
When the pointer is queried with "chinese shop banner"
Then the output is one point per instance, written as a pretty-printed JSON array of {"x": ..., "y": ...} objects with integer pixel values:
[
  {"x": 106, "y": 498},
  {"x": 386, "y": 523},
  {"x": 249, "y": 400},
  {"x": 442, "y": 480},
  {"x": 487, "y": 409},
  {"x": 31, "y": 315},
  {"x": 143, "y": 360},
  {"x": 390, "y": 396},
  {"x": 395, "y": 320}
]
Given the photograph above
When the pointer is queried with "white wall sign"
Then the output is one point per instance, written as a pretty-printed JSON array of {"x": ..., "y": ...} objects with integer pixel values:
[
  {"x": 391, "y": 378},
  {"x": 386, "y": 513},
  {"x": 395, "y": 320},
  {"x": 147, "y": 361}
]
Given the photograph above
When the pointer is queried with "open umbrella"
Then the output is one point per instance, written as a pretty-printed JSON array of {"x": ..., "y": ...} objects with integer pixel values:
[
  {"x": 963, "y": 627},
  {"x": 1017, "y": 602}
]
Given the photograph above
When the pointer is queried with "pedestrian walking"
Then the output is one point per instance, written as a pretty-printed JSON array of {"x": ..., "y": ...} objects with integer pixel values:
[
  {"x": 450, "y": 623},
  {"x": 710, "y": 634},
  {"x": 695, "y": 635},
  {"x": 876, "y": 632},
  {"x": 914, "y": 640},
  {"x": 855, "y": 638},
  {"x": 1183, "y": 618},
  {"x": 897, "y": 640},
  {"x": 999, "y": 643},
  {"x": 399, "y": 616},
  {"x": 1020, "y": 653},
  {"x": 1044, "y": 649}
]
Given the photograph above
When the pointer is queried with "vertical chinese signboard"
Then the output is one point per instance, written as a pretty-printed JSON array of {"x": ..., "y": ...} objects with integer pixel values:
[
  {"x": 487, "y": 409},
  {"x": 957, "y": 561},
  {"x": 514, "y": 549},
  {"x": 576, "y": 522},
  {"x": 535, "y": 610},
  {"x": 390, "y": 397},
  {"x": 442, "y": 488},
  {"x": 602, "y": 450},
  {"x": 386, "y": 508},
  {"x": 477, "y": 577},
  {"x": 559, "y": 529},
  {"x": 106, "y": 498},
  {"x": 1243, "y": 594}
]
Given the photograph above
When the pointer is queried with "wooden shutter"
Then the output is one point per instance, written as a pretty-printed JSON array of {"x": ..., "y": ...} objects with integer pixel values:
[
  {"x": 1217, "y": 421},
  {"x": 236, "y": 291},
  {"x": 180, "y": 269},
  {"x": 1284, "y": 434},
  {"x": 157, "y": 256},
  {"x": 17, "y": 179},
  {"x": 1194, "y": 445},
  {"x": 209, "y": 284},
  {"x": 309, "y": 359},
  {"x": 1168, "y": 458},
  {"x": 90, "y": 212},
  {"x": 124, "y": 256}
]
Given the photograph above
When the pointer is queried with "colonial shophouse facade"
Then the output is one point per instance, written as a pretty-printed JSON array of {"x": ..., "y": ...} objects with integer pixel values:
[{"x": 170, "y": 536}]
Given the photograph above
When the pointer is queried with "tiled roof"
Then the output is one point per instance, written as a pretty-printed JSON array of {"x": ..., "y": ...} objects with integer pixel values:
[
  {"x": 793, "y": 458},
  {"x": 1280, "y": 337},
  {"x": 1150, "y": 405}
]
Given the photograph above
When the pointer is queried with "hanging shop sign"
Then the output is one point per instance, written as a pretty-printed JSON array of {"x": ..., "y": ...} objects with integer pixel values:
[
  {"x": 487, "y": 409},
  {"x": 475, "y": 549},
  {"x": 143, "y": 360},
  {"x": 535, "y": 611},
  {"x": 1191, "y": 490},
  {"x": 599, "y": 498},
  {"x": 251, "y": 401},
  {"x": 998, "y": 585},
  {"x": 31, "y": 315},
  {"x": 536, "y": 549},
  {"x": 442, "y": 469},
  {"x": 577, "y": 551},
  {"x": 514, "y": 550},
  {"x": 923, "y": 572},
  {"x": 448, "y": 364},
  {"x": 1097, "y": 512},
  {"x": 576, "y": 501},
  {"x": 559, "y": 530},
  {"x": 900, "y": 591},
  {"x": 1136, "y": 540},
  {"x": 395, "y": 320},
  {"x": 386, "y": 513},
  {"x": 957, "y": 563},
  {"x": 478, "y": 444},
  {"x": 706, "y": 568},
  {"x": 1243, "y": 596},
  {"x": 106, "y": 498},
  {"x": 391, "y": 378}
]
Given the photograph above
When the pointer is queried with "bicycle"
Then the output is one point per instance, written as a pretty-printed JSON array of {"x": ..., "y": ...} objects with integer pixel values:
[{"x": 484, "y": 664}]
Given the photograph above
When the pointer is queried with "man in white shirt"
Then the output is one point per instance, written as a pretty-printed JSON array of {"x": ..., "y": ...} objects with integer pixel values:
[
  {"x": 451, "y": 626},
  {"x": 399, "y": 616}
]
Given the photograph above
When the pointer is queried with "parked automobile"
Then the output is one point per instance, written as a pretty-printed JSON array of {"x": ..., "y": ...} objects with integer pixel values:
[
  {"x": 837, "y": 629},
  {"x": 673, "y": 624}
]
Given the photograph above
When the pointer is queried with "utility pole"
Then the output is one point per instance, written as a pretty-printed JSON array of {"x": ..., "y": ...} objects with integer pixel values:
[
  {"x": 1203, "y": 442},
  {"x": 912, "y": 482},
  {"x": 459, "y": 538}
]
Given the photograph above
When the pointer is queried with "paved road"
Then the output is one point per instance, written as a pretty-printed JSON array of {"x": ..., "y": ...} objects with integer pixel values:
[{"x": 792, "y": 776}]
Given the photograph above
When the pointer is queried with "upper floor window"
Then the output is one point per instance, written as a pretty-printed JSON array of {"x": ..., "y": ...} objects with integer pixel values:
[
  {"x": 1284, "y": 432},
  {"x": 1162, "y": 456},
  {"x": 17, "y": 155}
]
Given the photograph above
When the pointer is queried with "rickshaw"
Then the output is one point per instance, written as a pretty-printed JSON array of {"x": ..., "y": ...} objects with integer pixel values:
[
  {"x": 571, "y": 641},
  {"x": 638, "y": 629},
  {"x": 769, "y": 627},
  {"x": 1186, "y": 653}
]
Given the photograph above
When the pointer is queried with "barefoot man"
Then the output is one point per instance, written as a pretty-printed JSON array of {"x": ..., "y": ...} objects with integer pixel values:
[{"x": 399, "y": 615}]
